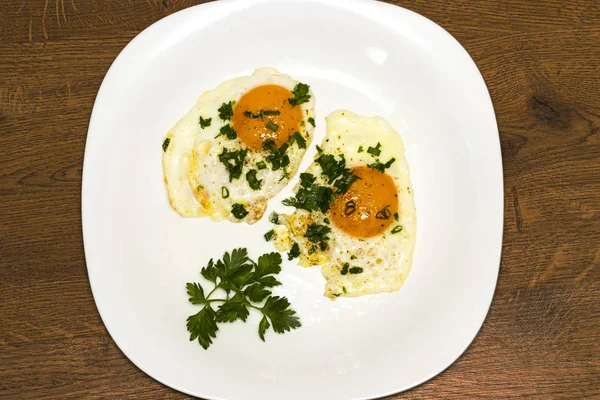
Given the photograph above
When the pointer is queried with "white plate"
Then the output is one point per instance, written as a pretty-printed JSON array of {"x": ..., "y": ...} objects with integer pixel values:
[{"x": 368, "y": 57}]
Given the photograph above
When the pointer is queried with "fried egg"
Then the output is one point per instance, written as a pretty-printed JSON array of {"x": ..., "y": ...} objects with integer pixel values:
[
  {"x": 238, "y": 146},
  {"x": 355, "y": 213}
]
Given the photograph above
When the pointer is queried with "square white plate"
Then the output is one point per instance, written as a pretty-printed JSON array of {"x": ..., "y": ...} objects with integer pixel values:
[{"x": 364, "y": 56}]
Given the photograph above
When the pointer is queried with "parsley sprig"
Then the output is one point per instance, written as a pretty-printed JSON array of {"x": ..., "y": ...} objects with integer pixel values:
[
  {"x": 300, "y": 93},
  {"x": 246, "y": 285}
]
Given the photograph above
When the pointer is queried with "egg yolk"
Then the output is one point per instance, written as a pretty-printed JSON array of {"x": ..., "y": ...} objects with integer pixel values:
[
  {"x": 368, "y": 207},
  {"x": 264, "y": 113}
]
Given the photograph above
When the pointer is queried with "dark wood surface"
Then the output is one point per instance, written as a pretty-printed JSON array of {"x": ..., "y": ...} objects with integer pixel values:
[{"x": 541, "y": 62}]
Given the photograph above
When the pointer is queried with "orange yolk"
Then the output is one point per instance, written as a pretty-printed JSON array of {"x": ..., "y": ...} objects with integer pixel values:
[
  {"x": 368, "y": 207},
  {"x": 257, "y": 129}
]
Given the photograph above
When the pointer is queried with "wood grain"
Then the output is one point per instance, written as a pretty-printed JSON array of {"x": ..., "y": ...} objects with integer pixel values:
[{"x": 541, "y": 61}]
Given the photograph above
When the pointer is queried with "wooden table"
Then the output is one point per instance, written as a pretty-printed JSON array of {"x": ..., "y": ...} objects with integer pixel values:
[{"x": 541, "y": 62}]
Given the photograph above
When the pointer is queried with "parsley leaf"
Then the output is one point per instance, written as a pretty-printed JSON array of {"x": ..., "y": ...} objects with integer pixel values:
[
  {"x": 282, "y": 317},
  {"x": 360, "y": 149},
  {"x": 239, "y": 211},
  {"x": 311, "y": 198},
  {"x": 294, "y": 252},
  {"x": 355, "y": 270},
  {"x": 233, "y": 161},
  {"x": 165, "y": 144},
  {"x": 300, "y": 93},
  {"x": 344, "y": 270},
  {"x": 227, "y": 131},
  {"x": 261, "y": 165},
  {"x": 300, "y": 141},
  {"x": 250, "y": 283},
  {"x": 253, "y": 181},
  {"x": 205, "y": 122},
  {"x": 226, "y": 111},
  {"x": 203, "y": 326},
  {"x": 311, "y": 120}
]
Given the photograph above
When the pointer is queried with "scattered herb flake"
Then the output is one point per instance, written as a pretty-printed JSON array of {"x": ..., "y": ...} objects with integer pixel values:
[
  {"x": 233, "y": 161},
  {"x": 397, "y": 229},
  {"x": 272, "y": 126},
  {"x": 269, "y": 235},
  {"x": 224, "y": 192},
  {"x": 226, "y": 111},
  {"x": 238, "y": 210},
  {"x": 165, "y": 144},
  {"x": 311, "y": 120},
  {"x": 355, "y": 270},
  {"x": 274, "y": 218},
  {"x": 253, "y": 181},
  {"x": 261, "y": 165},
  {"x": 298, "y": 139},
  {"x": 227, "y": 131},
  {"x": 294, "y": 252},
  {"x": 205, "y": 122},
  {"x": 261, "y": 114},
  {"x": 360, "y": 149},
  {"x": 300, "y": 93},
  {"x": 375, "y": 150},
  {"x": 344, "y": 270}
]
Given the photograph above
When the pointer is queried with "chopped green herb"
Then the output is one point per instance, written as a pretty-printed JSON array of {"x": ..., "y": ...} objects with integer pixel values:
[
  {"x": 300, "y": 93},
  {"x": 272, "y": 126},
  {"x": 199, "y": 188},
  {"x": 239, "y": 211},
  {"x": 353, "y": 257},
  {"x": 277, "y": 158},
  {"x": 227, "y": 131},
  {"x": 360, "y": 149},
  {"x": 274, "y": 218},
  {"x": 344, "y": 270},
  {"x": 312, "y": 250},
  {"x": 397, "y": 229},
  {"x": 355, "y": 270},
  {"x": 253, "y": 181},
  {"x": 384, "y": 213},
  {"x": 233, "y": 161},
  {"x": 261, "y": 165},
  {"x": 165, "y": 144},
  {"x": 294, "y": 252},
  {"x": 316, "y": 233},
  {"x": 327, "y": 221},
  {"x": 250, "y": 283},
  {"x": 298, "y": 139},
  {"x": 380, "y": 166},
  {"x": 306, "y": 179},
  {"x": 311, "y": 120},
  {"x": 224, "y": 192},
  {"x": 226, "y": 111},
  {"x": 344, "y": 289},
  {"x": 261, "y": 114},
  {"x": 375, "y": 150},
  {"x": 311, "y": 197},
  {"x": 269, "y": 235},
  {"x": 205, "y": 122},
  {"x": 336, "y": 172},
  {"x": 396, "y": 217}
]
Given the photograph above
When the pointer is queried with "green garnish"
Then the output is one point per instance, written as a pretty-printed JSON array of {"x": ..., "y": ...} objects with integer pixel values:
[
  {"x": 397, "y": 229},
  {"x": 234, "y": 162},
  {"x": 261, "y": 165},
  {"x": 246, "y": 285},
  {"x": 199, "y": 187},
  {"x": 224, "y": 192},
  {"x": 298, "y": 139},
  {"x": 274, "y": 218},
  {"x": 300, "y": 93},
  {"x": 327, "y": 221},
  {"x": 344, "y": 270},
  {"x": 344, "y": 289},
  {"x": 165, "y": 144},
  {"x": 277, "y": 158},
  {"x": 355, "y": 270},
  {"x": 336, "y": 171},
  {"x": 379, "y": 166},
  {"x": 360, "y": 149},
  {"x": 310, "y": 197},
  {"x": 396, "y": 217},
  {"x": 269, "y": 235},
  {"x": 294, "y": 252},
  {"x": 261, "y": 114},
  {"x": 238, "y": 210},
  {"x": 272, "y": 126},
  {"x": 227, "y": 131},
  {"x": 205, "y": 123},
  {"x": 318, "y": 234},
  {"x": 353, "y": 257},
  {"x": 311, "y": 120},
  {"x": 226, "y": 111},
  {"x": 375, "y": 150},
  {"x": 253, "y": 181}
]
